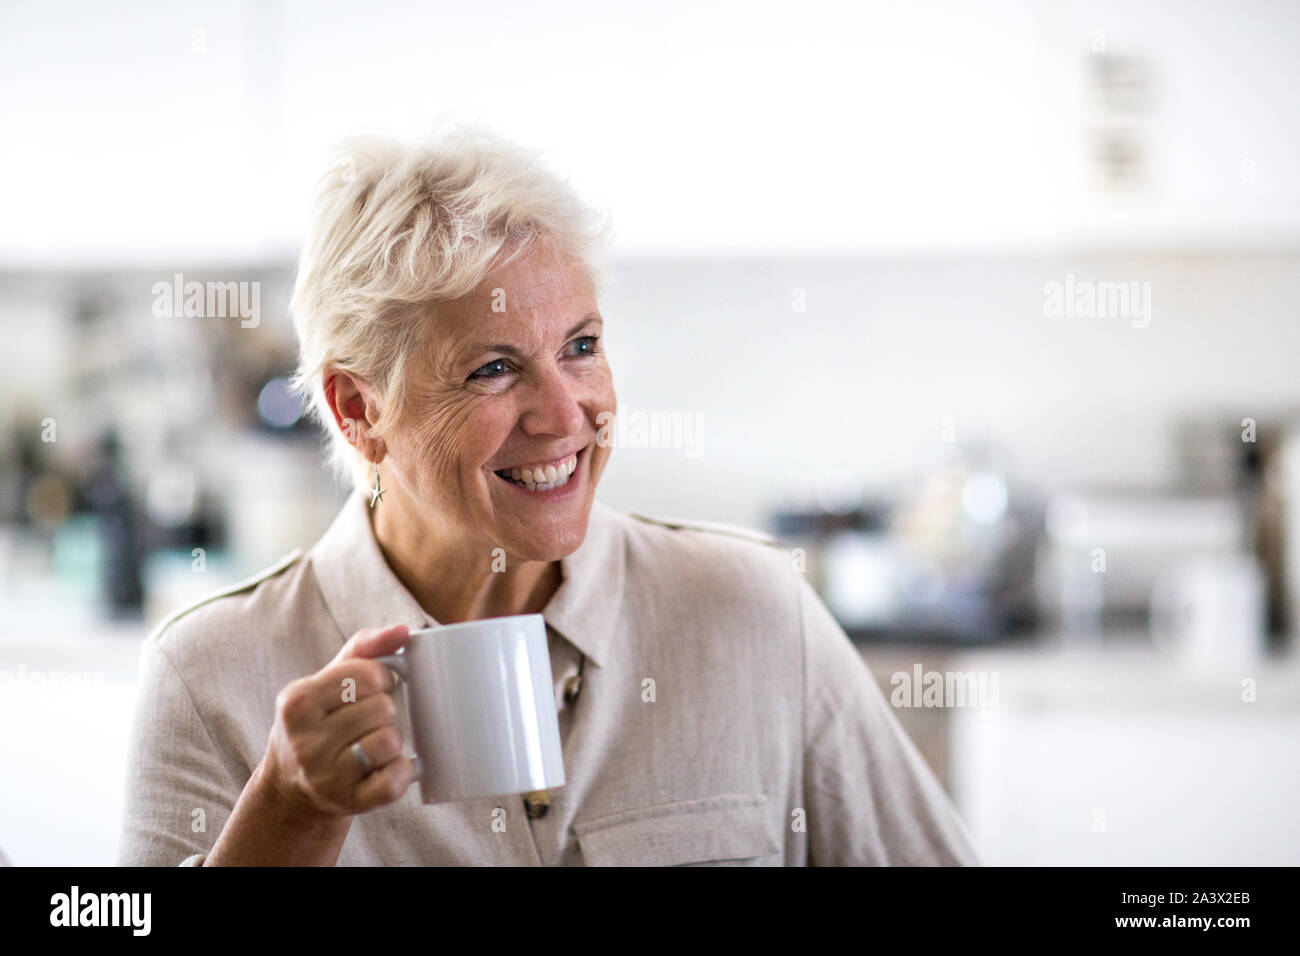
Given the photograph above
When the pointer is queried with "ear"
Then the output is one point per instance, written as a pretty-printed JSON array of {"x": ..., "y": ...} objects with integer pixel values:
[{"x": 355, "y": 407}]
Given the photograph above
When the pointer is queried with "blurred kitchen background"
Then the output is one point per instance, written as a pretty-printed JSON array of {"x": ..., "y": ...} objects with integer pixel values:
[{"x": 840, "y": 229}]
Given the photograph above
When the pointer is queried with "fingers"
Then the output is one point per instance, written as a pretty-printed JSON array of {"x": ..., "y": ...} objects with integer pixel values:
[
  {"x": 320, "y": 716},
  {"x": 352, "y": 681},
  {"x": 309, "y": 699},
  {"x": 383, "y": 777},
  {"x": 385, "y": 785},
  {"x": 359, "y": 719},
  {"x": 381, "y": 747},
  {"x": 321, "y": 750}
]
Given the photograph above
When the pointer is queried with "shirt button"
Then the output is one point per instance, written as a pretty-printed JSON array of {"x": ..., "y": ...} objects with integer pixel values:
[
  {"x": 571, "y": 688},
  {"x": 536, "y": 804}
]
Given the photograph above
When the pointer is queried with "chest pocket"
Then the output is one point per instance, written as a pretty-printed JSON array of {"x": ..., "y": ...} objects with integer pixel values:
[{"x": 726, "y": 830}]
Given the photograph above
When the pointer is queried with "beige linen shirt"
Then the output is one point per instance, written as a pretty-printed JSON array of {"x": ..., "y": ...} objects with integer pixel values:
[{"x": 763, "y": 739}]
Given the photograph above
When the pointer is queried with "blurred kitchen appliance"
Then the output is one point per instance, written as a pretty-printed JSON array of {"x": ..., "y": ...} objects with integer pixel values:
[
  {"x": 1103, "y": 552},
  {"x": 1225, "y": 453},
  {"x": 950, "y": 561},
  {"x": 1211, "y": 611}
]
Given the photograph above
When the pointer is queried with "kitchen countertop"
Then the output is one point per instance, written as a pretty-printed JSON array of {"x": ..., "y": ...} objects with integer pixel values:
[{"x": 1120, "y": 669}]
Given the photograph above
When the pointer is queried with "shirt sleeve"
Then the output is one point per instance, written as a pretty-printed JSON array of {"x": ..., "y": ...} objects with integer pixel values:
[
  {"x": 872, "y": 799},
  {"x": 179, "y": 794}
]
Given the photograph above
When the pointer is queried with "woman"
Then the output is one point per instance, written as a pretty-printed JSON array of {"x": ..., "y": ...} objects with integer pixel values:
[{"x": 710, "y": 708}]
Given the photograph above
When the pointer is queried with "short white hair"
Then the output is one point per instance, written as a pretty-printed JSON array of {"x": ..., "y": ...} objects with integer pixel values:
[{"x": 398, "y": 228}]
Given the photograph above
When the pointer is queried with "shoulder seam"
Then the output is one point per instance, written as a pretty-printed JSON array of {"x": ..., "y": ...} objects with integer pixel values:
[
  {"x": 729, "y": 531},
  {"x": 244, "y": 585}
]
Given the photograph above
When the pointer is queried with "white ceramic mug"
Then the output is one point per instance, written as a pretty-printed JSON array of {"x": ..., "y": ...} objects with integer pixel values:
[{"x": 482, "y": 706}]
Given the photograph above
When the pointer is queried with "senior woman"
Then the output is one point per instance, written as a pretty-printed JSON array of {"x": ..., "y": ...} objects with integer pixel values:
[{"x": 451, "y": 341}]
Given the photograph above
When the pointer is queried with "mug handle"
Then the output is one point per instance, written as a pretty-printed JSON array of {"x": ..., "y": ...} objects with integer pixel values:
[{"x": 397, "y": 662}]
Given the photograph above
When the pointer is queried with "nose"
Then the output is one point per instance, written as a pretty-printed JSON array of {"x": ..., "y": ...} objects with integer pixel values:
[{"x": 554, "y": 407}]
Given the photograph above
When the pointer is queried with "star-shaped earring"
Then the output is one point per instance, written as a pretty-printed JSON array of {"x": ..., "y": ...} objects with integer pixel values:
[{"x": 376, "y": 492}]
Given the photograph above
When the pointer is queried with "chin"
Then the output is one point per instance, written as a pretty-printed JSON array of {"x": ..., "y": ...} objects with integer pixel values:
[{"x": 548, "y": 542}]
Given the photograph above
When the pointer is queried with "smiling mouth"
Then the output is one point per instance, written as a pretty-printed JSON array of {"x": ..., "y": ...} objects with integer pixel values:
[{"x": 542, "y": 477}]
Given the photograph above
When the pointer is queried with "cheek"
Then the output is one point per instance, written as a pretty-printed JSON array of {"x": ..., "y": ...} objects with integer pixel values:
[
  {"x": 444, "y": 434},
  {"x": 600, "y": 395},
  {"x": 602, "y": 399},
  {"x": 489, "y": 430},
  {"x": 483, "y": 431}
]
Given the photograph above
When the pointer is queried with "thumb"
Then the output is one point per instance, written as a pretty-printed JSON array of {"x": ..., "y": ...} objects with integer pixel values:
[{"x": 374, "y": 642}]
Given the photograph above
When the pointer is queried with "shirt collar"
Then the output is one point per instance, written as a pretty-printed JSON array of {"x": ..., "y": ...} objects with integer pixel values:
[{"x": 360, "y": 589}]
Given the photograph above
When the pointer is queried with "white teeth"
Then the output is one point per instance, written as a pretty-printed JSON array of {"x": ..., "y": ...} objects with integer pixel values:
[{"x": 546, "y": 477}]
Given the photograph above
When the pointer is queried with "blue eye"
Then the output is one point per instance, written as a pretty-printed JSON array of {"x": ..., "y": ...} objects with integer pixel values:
[
  {"x": 590, "y": 342},
  {"x": 583, "y": 347},
  {"x": 494, "y": 369}
]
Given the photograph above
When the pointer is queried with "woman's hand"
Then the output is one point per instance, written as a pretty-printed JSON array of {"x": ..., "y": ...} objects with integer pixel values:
[
  {"x": 310, "y": 758},
  {"x": 297, "y": 807}
]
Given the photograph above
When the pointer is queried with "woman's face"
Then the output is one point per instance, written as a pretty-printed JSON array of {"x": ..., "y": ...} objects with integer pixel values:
[{"x": 509, "y": 388}]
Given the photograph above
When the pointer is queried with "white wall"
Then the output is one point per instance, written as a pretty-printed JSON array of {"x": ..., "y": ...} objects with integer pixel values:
[{"x": 148, "y": 131}]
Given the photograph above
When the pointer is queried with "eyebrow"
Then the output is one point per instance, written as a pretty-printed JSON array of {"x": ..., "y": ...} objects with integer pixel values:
[{"x": 514, "y": 352}]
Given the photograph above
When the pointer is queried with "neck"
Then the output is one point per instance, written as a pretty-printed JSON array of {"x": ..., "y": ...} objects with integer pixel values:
[{"x": 454, "y": 579}]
